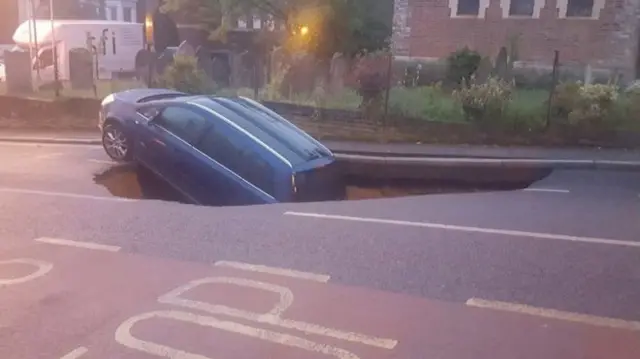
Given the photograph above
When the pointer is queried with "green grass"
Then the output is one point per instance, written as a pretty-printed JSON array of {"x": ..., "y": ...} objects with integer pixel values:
[{"x": 429, "y": 102}]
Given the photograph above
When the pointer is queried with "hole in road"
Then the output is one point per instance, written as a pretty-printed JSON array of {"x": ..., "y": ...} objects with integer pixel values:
[{"x": 135, "y": 182}]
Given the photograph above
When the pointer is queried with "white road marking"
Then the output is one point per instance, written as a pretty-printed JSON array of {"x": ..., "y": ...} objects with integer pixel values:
[
  {"x": 43, "y": 268},
  {"x": 123, "y": 336},
  {"x": 43, "y": 144},
  {"x": 552, "y": 190},
  {"x": 85, "y": 245},
  {"x": 76, "y": 353},
  {"x": 273, "y": 270},
  {"x": 506, "y": 232},
  {"x": 64, "y": 195},
  {"x": 554, "y": 314},
  {"x": 47, "y": 156},
  {"x": 103, "y": 162},
  {"x": 273, "y": 317}
]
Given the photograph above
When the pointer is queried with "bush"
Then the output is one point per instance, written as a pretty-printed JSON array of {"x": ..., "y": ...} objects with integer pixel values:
[
  {"x": 184, "y": 75},
  {"x": 565, "y": 100},
  {"x": 462, "y": 64},
  {"x": 595, "y": 103},
  {"x": 591, "y": 107},
  {"x": 484, "y": 102}
]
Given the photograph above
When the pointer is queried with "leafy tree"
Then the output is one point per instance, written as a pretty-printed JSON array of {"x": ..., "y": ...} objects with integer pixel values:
[{"x": 345, "y": 26}]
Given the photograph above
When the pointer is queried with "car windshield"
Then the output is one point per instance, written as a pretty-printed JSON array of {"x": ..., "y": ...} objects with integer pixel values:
[{"x": 294, "y": 145}]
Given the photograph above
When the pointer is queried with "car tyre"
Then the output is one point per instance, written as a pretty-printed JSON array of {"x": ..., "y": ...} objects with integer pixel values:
[{"x": 116, "y": 143}]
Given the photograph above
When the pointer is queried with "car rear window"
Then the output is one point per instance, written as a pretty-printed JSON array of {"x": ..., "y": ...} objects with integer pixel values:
[{"x": 289, "y": 141}]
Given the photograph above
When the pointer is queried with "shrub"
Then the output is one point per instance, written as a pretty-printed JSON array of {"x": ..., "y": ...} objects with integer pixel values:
[
  {"x": 462, "y": 64},
  {"x": 595, "y": 107},
  {"x": 484, "y": 102},
  {"x": 590, "y": 106},
  {"x": 565, "y": 99},
  {"x": 184, "y": 75}
]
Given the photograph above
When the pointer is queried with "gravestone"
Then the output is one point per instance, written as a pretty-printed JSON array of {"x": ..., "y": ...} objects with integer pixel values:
[
  {"x": 81, "y": 69},
  {"x": 204, "y": 61},
  {"x": 185, "y": 49},
  {"x": 483, "y": 71},
  {"x": 338, "y": 71},
  {"x": 165, "y": 58},
  {"x": 18, "y": 74}
]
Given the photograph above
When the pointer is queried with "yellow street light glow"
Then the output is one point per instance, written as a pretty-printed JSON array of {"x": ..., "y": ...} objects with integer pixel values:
[
  {"x": 148, "y": 28},
  {"x": 304, "y": 30}
]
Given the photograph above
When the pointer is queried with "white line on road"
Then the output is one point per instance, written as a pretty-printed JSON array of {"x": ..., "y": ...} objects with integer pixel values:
[
  {"x": 64, "y": 195},
  {"x": 43, "y": 144},
  {"x": 48, "y": 156},
  {"x": 506, "y": 232},
  {"x": 103, "y": 162},
  {"x": 76, "y": 353},
  {"x": 273, "y": 270},
  {"x": 554, "y": 314},
  {"x": 553, "y": 190},
  {"x": 86, "y": 245}
]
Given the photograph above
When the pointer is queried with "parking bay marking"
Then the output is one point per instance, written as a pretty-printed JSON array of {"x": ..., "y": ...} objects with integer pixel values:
[
  {"x": 273, "y": 270},
  {"x": 506, "y": 232},
  {"x": 64, "y": 195},
  {"x": 85, "y": 245},
  {"x": 554, "y": 314}
]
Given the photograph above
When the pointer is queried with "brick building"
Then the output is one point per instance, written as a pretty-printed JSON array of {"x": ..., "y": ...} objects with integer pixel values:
[{"x": 600, "y": 33}]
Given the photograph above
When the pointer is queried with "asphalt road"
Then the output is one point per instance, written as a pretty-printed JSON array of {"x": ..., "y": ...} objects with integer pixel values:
[{"x": 408, "y": 274}]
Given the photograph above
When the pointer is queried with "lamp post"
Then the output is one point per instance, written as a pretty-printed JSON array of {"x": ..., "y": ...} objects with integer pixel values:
[
  {"x": 54, "y": 52},
  {"x": 148, "y": 36}
]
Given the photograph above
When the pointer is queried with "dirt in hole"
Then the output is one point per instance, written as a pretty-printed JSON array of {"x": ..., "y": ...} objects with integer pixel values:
[{"x": 135, "y": 182}]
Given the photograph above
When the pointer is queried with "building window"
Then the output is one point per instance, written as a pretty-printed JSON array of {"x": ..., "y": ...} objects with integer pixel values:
[
  {"x": 112, "y": 13},
  {"x": 521, "y": 7},
  {"x": 127, "y": 14},
  {"x": 579, "y": 8},
  {"x": 468, "y": 7}
]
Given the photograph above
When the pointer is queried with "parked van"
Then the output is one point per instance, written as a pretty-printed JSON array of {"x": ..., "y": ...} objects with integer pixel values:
[{"x": 114, "y": 43}]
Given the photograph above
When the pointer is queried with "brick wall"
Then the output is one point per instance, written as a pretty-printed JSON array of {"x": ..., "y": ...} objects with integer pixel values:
[{"x": 611, "y": 41}]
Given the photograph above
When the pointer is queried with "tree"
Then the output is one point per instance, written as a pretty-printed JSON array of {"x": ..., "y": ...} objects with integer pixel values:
[{"x": 345, "y": 26}]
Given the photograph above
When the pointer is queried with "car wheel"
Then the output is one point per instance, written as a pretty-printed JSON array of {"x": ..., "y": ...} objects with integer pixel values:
[{"x": 116, "y": 143}]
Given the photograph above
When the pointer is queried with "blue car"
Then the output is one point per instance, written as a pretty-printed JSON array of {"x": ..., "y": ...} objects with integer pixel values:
[{"x": 218, "y": 151}]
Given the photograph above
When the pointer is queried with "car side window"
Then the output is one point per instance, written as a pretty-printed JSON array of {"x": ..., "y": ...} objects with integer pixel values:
[
  {"x": 242, "y": 160},
  {"x": 182, "y": 122}
]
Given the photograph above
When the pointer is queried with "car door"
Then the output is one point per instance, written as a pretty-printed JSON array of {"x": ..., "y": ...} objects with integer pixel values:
[
  {"x": 242, "y": 175},
  {"x": 169, "y": 147}
]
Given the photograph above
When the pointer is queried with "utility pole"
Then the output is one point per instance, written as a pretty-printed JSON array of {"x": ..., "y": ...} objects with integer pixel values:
[
  {"x": 35, "y": 37},
  {"x": 54, "y": 52}
]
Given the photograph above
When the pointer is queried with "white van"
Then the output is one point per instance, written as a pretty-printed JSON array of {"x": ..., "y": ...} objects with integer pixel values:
[{"x": 115, "y": 44}]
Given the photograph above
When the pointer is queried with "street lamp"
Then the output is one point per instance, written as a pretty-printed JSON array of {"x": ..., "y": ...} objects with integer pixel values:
[
  {"x": 304, "y": 30},
  {"x": 148, "y": 36},
  {"x": 148, "y": 29}
]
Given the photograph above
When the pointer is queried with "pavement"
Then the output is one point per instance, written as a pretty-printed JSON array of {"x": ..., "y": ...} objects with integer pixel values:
[
  {"x": 416, "y": 154},
  {"x": 101, "y": 261}
]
